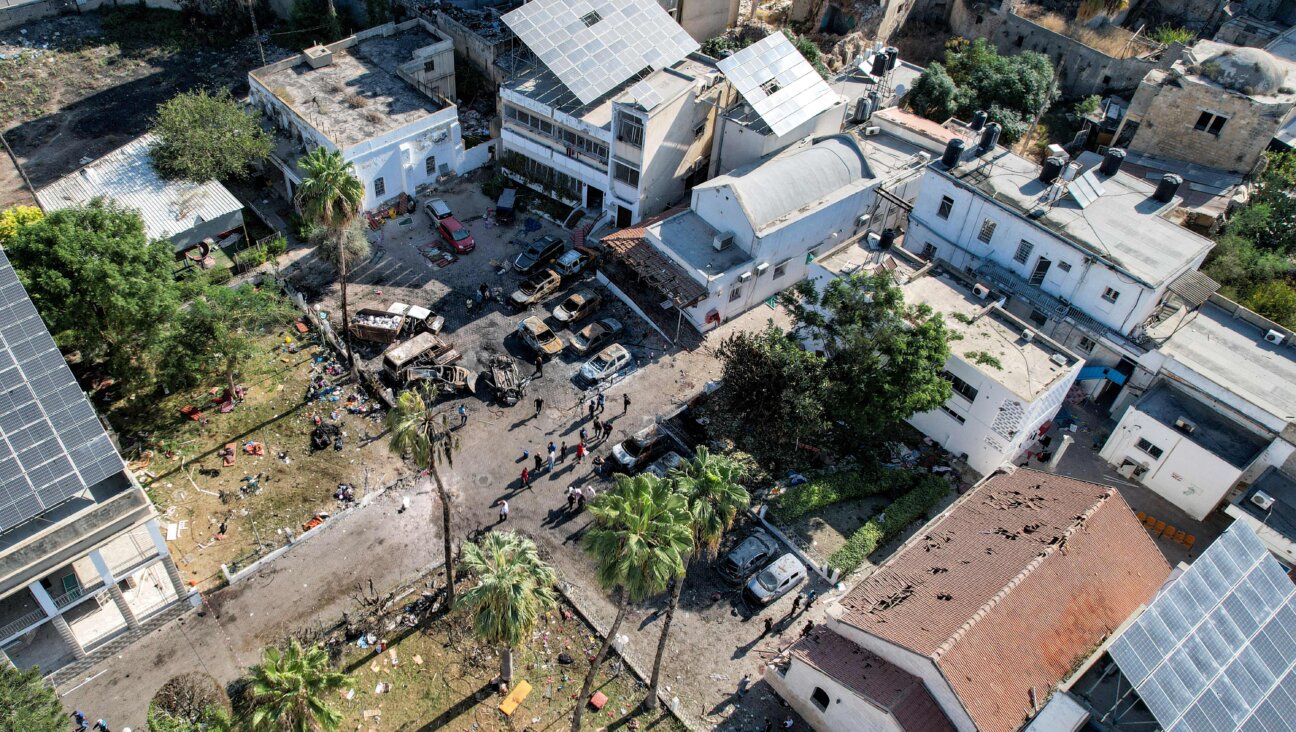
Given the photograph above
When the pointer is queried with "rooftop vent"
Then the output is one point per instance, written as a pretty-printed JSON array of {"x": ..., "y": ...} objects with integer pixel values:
[
  {"x": 318, "y": 56},
  {"x": 1263, "y": 500},
  {"x": 1185, "y": 425},
  {"x": 721, "y": 242}
]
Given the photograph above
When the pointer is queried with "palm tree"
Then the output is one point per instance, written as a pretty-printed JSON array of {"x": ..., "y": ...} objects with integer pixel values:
[
  {"x": 288, "y": 690},
  {"x": 331, "y": 195},
  {"x": 417, "y": 428},
  {"x": 514, "y": 588},
  {"x": 639, "y": 539},
  {"x": 709, "y": 485}
]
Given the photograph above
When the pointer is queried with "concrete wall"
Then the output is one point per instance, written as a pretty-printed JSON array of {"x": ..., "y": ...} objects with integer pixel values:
[
  {"x": 478, "y": 51},
  {"x": 1186, "y": 474},
  {"x": 846, "y": 710},
  {"x": 705, "y": 19},
  {"x": 737, "y": 145},
  {"x": 1278, "y": 545},
  {"x": 400, "y": 156},
  {"x": 672, "y": 148}
]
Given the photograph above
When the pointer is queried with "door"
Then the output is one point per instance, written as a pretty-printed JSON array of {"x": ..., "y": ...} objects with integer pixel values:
[
  {"x": 623, "y": 217},
  {"x": 1041, "y": 269},
  {"x": 593, "y": 198}
]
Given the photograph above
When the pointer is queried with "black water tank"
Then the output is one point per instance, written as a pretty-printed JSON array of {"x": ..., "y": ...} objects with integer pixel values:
[
  {"x": 863, "y": 109},
  {"x": 1111, "y": 163},
  {"x": 1167, "y": 188},
  {"x": 879, "y": 64},
  {"x": 893, "y": 55},
  {"x": 978, "y": 120},
  {"x": 953, "y": 151},
  {"x": 888, "y": 239},
  {"x": 989, "y": 138},
  {"x": 1051, "y": 169},
  {"x": 876, "y": 99}
]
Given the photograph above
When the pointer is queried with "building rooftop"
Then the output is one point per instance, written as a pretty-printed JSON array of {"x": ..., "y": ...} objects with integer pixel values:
[
  {"x": 1233, "y": 354},
  {"x": 690, "y": 238},
  {"x": 778, "y": 84},
  {"x": 1124, "y": 225},
  {"x": 1253, "y": 72},
  {"x": 52, "y": 446},
  {"x": 889, "y": 687},
  {"x": 359, "y": 95},
  {"x": 1026, "y": 368},
  {"x": 126, "y": 175},
  {"x": 1068, "y": 555},
  {"x": 1213, "y": 431},
  {"x": 1281, "y": 487}
]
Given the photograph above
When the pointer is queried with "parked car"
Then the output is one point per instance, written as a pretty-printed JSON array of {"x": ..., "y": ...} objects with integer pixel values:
[
  {"x": 751, "y": 553},
  {"x": 446, "y": 379},
  {"x": 593, "y": 336},
  {"x": 456, "y": 235},
  {"x": 635, "y": 450},
  {"x": 437, "y": 209},
  {"x": 574, "y": 261},
  {"x": 662, "y": 466},
  {"x": 604, "y": 365},
  {"x": 775, "y": 581},
  {"x": 579, "y": 305},
  {"x": 424, "y": 349},
  {"x": 539, "y": 337},
  {"x": 537, "y": 254},
  {"x": 535, "y": 289}
]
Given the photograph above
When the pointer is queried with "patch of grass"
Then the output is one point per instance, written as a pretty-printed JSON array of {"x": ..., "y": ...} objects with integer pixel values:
[
  {"x": 829, "y": 488},
  {"x": 928, "y": 491},
  {"x": 984, "y": 359}
]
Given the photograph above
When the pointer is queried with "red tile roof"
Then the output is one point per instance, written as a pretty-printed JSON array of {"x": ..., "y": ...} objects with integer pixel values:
[
  {"x": 885, "y": 685},
  {"x": 1011, "y": 588}
]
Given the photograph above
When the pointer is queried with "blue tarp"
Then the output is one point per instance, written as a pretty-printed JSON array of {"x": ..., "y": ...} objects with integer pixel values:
[{"x": 1091, "y": 372}]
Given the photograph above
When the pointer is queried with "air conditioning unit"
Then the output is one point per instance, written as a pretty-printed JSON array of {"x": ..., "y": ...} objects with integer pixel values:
[
  {"x": 1058, "y": 359},
  {"x": 863, "y": 220},
  {"x": 721, "y": 242},
  {"x": 744, "y": 276},
  {"x": 981, "y": 291},
  {"x": 1263, "y": 500},
  {"x": 1186, "y": 426},
  {"x": 871, "y": 131},
  {"x": 1274, "y": 337},
  {"x": 762, "y": 268},
  {"x": 874, "y": 240},
  {"x": 1028, "y": 335}
]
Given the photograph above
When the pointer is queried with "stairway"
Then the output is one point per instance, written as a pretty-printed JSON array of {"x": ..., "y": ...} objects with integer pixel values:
[{"x": 73, "y": 671}]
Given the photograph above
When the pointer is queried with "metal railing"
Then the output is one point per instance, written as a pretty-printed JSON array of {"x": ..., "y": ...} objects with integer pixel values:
[
  {"x": 71, "y": 596},
  {"x": 31, "y": 618}
]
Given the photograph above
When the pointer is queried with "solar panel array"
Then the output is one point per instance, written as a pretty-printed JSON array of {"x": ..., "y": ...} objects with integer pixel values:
[
  {"x": 1216, "y": 650},
  {"x": 779, "y": 84},
  {"x": 52, "y": 446},
  {"x": 1086, "y": 189},
  {"x": 593, "y": 46}
]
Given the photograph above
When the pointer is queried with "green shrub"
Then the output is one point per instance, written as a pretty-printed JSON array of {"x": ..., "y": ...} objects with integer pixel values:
[
  {"x": 276, "y": 246},
  {"x": 928, "y": 490},
  {"x": 843, "y": 485},
  {"x": 857, "y": 548},
  {"x": 219, "y": 275}
]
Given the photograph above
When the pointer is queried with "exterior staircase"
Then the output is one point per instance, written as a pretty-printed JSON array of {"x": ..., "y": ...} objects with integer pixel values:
[{"x": 73, "y": 671}]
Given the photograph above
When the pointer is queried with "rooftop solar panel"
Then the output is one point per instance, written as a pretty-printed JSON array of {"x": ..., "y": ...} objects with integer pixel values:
[
  {"x": 1212, "y": 650},
  {"x": 52, "y": 446},
  {"x": 594, "y": 46},
  {"x": 779, "y": 84}
]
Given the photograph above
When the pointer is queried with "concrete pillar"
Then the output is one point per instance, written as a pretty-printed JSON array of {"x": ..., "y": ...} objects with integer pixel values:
[
  {"x": 5, "y": 661},
  {"x": 114, "y": 591},
  {"x": 1059, "y": 452},
  {"x": 64, "y": 630},
  {"x": 173, "y": 572}
]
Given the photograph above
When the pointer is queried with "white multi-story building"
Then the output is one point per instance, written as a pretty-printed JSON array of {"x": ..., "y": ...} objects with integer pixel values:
[
  {"x": 1008, "y": 379},
  {"x": 616, "y": 111},
  {"x": 382, "y": 97},
  {"x": 1088, "y": 257}
]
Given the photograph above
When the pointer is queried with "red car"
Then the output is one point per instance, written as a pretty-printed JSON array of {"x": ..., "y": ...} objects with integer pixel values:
[{"x": 456, "y": 235}]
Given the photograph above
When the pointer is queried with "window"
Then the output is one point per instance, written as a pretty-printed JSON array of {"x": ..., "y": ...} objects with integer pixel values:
[
  {"x": 1211, "y": 123},
  {"x": 625, "y": 173},
  {"x": 1064, "y": 266},
  {"x": 820, "y": 699},
  {"x": 574, "y": 142},
  {"x": 780, "y": 269},
  {"x": 946, "y": 205},
  {"x": 1085, "y": 344},
  {"x": 1023, "y": 252},
  {"x": 700, "y": 128},
  {"x": 1038, "y": 318},
  {"x": 631, "y": 130},
  {"x": 735, "y": 292},
  {"x": 769, "y": 87},
  {"x": 1149, "y": 448},
  {"x": 987, "y": 231},
  {"x": 961, "y": 387},
  {"x": 590, "y": 18},
  {"x": 429, "y": 165},
  {"x": 929, "y": 251},
  {"x": 953, "y": 414},
  {"x": 1110, "y": 295},
  {"x": 429, "y": 65},
  {"x": 380, "y": 187}
]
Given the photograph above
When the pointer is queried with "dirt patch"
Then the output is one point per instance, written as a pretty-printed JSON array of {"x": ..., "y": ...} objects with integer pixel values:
[
  {"x": 826, "y": 530},
  {"x": 262, "y": 496},
  {"x": 76, "y": 87}
]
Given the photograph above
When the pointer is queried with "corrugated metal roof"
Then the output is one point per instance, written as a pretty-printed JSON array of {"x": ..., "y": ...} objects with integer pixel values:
[
  {"x": 126, "y": 175},
  {"x": 1194, "y": 287}
]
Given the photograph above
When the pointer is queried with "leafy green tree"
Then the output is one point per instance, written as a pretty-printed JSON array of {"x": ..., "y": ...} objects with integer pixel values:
[
  {"x": 202, "y": 137},
  {"x": 211, "y": 719},
  {"x": 773, "y": 393},
  {"x": 933, "y": 95},
  {"x": 1088, "y": 105},
  {"x": 217, "y": 333},
  {"x": 27, "y": 704},
  {"x": 639, "y": 539},
  {"x": 514, "y": 588},
  {"x": 1275, "y": 300},
  {"x": 419, "y": 430},
  {"x": 288, "y": 691},
  {"x": 349, "y": 243},
  {"x": 884, "y": 358},
  {"x": 1011, "y": 89},
  {"x": 11, "y": 219},
  {"x": 330, "y": 195},
  {"x": 709, "y": 484},
  {"x": 100, "y": 285}
]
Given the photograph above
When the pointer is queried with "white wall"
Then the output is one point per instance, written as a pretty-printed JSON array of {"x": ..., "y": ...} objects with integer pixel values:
[
  {"x": 846, "y": 712},
  {"x": 1186, "y": 474},
  {"x": 737, "y": 145},
  {"x": 955, "y": 239},
  {"x": 400, "y": 157}
]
